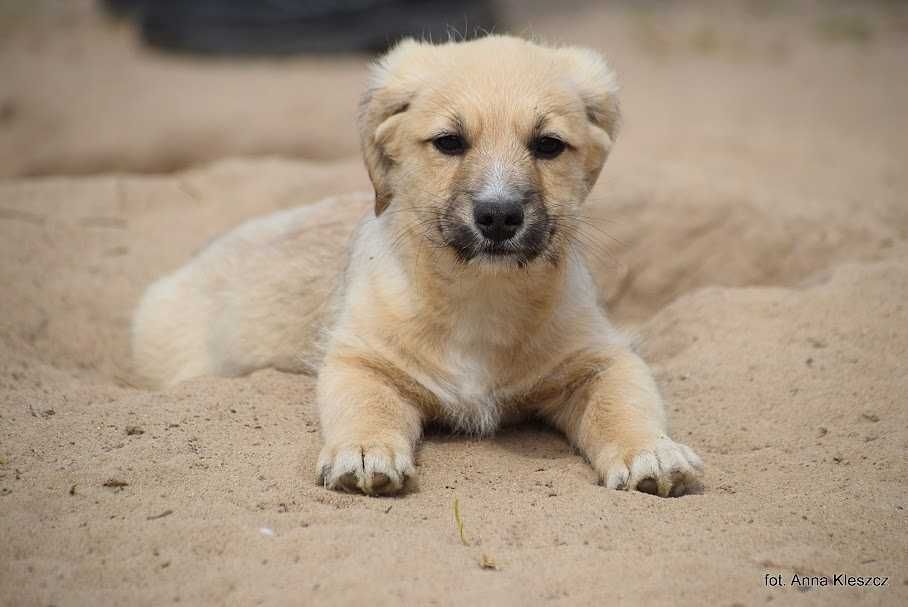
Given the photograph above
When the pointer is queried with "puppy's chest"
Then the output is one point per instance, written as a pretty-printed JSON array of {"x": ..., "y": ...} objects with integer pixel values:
[{"x": 476, "y": 381}]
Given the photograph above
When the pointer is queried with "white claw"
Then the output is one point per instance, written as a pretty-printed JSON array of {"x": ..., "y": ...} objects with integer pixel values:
[{"x": 670, "y": 468}]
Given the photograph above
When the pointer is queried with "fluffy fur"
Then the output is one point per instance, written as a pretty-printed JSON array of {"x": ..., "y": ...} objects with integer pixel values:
[{"x": 428, "y": 322}]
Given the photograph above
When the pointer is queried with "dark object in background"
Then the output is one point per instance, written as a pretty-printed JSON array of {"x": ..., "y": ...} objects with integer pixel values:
[{"x": 281, "y": 27}]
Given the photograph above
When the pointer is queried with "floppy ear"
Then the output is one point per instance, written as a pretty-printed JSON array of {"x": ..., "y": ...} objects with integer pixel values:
[
  {"x": 386, "y": 99},
  {"x": 597, "y": 85}
]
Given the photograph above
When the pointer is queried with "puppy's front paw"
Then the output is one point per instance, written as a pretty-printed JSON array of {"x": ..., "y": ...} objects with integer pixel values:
[
  {"x": 370, "y": 468},
  {"x": 663, "y": 467}
]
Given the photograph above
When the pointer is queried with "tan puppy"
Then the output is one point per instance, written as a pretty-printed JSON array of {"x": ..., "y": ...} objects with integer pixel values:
[{"x": 464, "y": 300}]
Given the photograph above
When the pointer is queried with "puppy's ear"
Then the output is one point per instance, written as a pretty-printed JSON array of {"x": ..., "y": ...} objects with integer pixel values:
[
  {"x": 381, "y": 109},
  {"x": 597, "y": 85}
]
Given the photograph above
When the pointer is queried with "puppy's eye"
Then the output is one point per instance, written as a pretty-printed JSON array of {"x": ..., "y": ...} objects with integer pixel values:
[
  {"x": 547, "y": 147},
  {"x": 452, "y": 145}
]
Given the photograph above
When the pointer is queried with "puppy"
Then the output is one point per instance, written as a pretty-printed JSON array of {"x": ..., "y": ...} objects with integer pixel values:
[{"x": 463, "y": 300}]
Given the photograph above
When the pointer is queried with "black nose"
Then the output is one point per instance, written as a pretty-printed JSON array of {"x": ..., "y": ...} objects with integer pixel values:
[{"x": 498, "y": 220}]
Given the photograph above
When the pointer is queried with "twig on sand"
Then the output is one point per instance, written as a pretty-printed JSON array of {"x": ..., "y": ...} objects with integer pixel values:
[
  {"x": 459, "y": 522},
  {"x": 153, "y": 517}
]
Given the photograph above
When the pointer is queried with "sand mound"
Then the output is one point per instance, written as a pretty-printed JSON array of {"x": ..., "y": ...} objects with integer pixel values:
[{"x": 794, "y": 396}]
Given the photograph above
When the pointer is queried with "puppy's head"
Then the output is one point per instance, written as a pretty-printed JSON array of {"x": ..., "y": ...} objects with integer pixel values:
[{"x": 488, "y": 147}]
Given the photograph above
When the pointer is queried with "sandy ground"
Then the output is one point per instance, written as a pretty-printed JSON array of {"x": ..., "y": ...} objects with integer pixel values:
[{"x": 752, "y": 225}]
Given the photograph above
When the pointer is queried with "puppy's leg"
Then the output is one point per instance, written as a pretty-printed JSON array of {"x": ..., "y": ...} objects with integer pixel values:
[
  {"x": 616, "y": 418},
  {"x": 369, "y": 430}
]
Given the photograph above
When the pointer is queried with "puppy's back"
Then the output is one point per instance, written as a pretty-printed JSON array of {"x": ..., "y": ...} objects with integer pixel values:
[{"x": 254, "y": 298}]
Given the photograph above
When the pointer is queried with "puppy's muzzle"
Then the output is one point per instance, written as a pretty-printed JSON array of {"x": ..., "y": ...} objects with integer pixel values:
[{"x": 498, "y": 219}]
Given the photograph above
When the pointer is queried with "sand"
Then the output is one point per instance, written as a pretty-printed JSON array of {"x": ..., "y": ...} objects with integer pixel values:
[{"x": 751, "y": 226}]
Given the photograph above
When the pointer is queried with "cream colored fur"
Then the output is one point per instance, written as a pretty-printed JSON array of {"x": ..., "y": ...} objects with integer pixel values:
[{"x": 412, "y": 333}]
